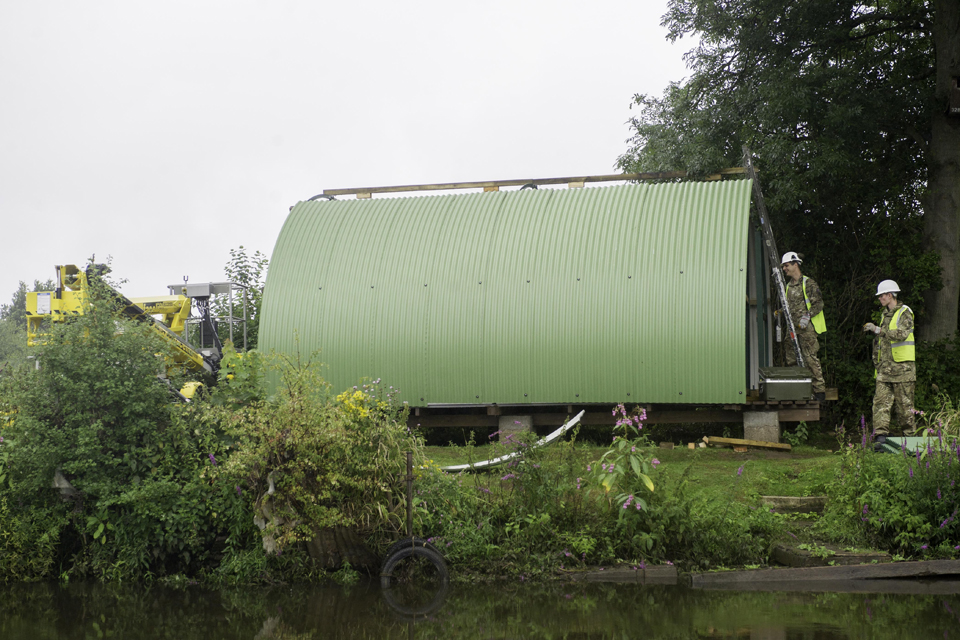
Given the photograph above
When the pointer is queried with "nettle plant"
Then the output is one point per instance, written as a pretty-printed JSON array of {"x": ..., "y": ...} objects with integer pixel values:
[{"x": 623, "y": 471}]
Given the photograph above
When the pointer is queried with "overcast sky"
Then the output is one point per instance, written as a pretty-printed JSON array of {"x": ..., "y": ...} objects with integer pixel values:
[{"x": 164, "y": 134}]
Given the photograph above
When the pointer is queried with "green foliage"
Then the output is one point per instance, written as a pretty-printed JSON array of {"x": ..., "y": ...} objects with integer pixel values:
[
  {"x": 251, "y": 272},
  {"x": 541, "y": 514},
  {"x": 96, "y": 412},
  {"x": 699, "y": 534},
  {"x": 905, "y": 503},
  {"x": 311, "y": 462},
  {"x": 241, "y": 378},
  {"x": 798, "y": 436},
  {"x": 29, "y": 539},
  {"x": 624, "y": 466},
  {"x": 835, "y": 100}
]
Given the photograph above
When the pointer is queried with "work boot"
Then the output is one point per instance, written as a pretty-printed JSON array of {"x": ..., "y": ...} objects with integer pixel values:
[
  {"x": 879, "y": 441},
  {"x": 820, "y": 396}
]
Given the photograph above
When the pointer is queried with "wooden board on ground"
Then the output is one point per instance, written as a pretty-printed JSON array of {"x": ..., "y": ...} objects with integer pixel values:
[
  {"x": 791, "y": 555},
  {"x": 886, "y": 570},
  {"x": 736, "y": 442}
]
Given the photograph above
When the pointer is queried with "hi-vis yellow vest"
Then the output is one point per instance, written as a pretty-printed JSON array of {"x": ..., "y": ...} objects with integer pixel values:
[
  {"x": 818, "y": 321},
  {"x": 902, "y": 351}
]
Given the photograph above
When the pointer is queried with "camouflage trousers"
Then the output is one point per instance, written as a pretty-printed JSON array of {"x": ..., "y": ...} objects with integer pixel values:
[
  {"x": 809, "y": 345},
  {"x": 893, "y": 397}
]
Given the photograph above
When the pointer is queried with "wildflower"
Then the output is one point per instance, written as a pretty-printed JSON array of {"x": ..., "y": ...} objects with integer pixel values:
[
  {"x": 578, "y": 484},
  {"x": 923, "y": 547},
  {"x": 911, "y": 472},
  {"x": 643, "y": 566},
  {"x": 740, "y": 471},
  {"x": 669, "y": 563},
  {"x": 633, "y": 449},
  {"x": 939, "y": 497},
  {"x": 239, "y": 492},
  {"x": 654, "y": 462},
  {"x": 508, "y": 476},
  {"x": 588, "y": 468},
  {"x": 213, "y": 460}
]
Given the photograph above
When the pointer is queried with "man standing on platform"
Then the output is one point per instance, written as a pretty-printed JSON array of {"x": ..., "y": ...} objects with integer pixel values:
[
  {"x": 894, "y": 358},
  {"x": 805, "y": 306}
]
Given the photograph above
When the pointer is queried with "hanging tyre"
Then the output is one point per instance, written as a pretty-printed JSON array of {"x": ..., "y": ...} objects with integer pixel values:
[
  {"x": 407, "y": 543},
  {"x": 414, "y": 563}
]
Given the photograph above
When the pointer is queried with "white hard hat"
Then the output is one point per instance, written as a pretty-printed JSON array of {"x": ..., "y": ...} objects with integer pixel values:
[
  {"x": 887, "y": 286},
  {"x": 790, "y": 256}
]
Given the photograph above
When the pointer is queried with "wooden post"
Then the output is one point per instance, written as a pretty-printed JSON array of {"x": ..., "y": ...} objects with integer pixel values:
[{"x": 409, "y": 494}]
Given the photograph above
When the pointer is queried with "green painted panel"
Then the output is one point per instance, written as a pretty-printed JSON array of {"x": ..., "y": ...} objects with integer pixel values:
[{"x": 625, "y": 293}]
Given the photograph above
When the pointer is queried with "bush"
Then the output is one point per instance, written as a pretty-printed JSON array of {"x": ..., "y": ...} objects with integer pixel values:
[
  {"x": 311, "y": 462},
  {"x": 906, "y": 503}
]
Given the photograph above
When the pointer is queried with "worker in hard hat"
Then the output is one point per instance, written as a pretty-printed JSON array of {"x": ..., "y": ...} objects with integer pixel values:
[
  {"x": 805, "y": 305},
  {"x": 894, "y": 358}
]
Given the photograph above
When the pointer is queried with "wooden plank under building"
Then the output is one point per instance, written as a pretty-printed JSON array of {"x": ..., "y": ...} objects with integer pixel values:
[{"x": 737, "y": 442}]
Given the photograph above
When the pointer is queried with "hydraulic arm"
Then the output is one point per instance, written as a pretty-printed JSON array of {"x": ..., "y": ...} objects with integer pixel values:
[{"x": 168, "y": 315}]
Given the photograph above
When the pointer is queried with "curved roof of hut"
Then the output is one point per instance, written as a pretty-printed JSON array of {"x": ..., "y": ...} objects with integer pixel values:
[{"x": 628, "y": 293}]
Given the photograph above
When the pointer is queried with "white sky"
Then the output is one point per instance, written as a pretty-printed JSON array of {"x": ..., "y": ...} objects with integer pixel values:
[{"x": 164, "y": 134}]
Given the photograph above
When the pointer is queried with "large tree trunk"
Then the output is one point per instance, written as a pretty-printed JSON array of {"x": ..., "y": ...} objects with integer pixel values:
[{"x": 942, "y": 215}]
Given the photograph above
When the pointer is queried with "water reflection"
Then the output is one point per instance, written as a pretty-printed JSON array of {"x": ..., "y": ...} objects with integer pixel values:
[{"x": 581, "y": 611}]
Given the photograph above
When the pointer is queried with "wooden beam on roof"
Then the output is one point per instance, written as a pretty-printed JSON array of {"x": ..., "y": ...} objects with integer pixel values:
[{"x": 494, "y": 185}]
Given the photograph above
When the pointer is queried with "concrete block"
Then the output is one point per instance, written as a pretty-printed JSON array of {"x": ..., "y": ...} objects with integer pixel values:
[
  {"x": 761, "y": 425},
  {"x": 515, "y": 425}
]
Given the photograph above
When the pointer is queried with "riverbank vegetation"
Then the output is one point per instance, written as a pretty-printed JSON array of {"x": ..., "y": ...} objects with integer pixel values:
[{"x": 105, "y": 477}]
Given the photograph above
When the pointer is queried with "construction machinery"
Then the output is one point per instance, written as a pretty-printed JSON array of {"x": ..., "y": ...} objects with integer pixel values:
[{"x": 193, "y": 337}]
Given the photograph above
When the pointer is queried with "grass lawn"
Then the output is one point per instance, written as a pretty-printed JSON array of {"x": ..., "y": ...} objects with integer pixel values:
[{"x": 804, "y": 471}]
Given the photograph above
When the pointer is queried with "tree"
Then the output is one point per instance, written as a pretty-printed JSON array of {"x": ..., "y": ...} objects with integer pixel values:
[
  {"x": 844, "y": 104},
  {"x": 249, "y": 271}
]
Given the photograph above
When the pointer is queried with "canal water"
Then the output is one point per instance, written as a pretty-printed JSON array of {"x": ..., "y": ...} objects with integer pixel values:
[{"x": 573, "y": 611}]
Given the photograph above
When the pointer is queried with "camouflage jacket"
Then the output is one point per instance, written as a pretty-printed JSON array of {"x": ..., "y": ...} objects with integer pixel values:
[
  {"x": 889, "y": 370},
  {"x": 797, "y": 306}
]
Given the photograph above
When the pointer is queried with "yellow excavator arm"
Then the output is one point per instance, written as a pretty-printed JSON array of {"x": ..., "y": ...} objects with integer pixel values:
[{"x": 70, "y": 300}]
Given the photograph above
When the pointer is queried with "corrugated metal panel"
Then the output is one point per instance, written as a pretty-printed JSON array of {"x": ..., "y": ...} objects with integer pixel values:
[{"x": 625, "y": 293}]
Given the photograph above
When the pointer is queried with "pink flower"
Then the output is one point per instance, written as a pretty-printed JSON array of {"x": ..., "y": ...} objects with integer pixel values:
[{"x": 654, "y": 462}]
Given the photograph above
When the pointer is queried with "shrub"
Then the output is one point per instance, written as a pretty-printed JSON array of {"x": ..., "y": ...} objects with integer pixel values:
[
  {"x": 311, "y": 462},
  {"x": 906, "y": 503}
]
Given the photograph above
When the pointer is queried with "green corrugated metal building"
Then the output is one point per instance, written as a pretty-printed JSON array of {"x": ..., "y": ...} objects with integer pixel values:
[{"x": 632, "y": 293}]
